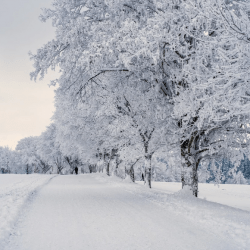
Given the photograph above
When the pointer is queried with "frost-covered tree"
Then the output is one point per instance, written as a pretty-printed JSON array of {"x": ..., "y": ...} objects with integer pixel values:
[
  {"x": 237, "y": 178},
  {"x": 119, "y": 115},
  {"x": 9, "y": 161},
  {"x": 195, "y": 53},
  {"x": 27, "y": 148},
  {"x": 49, "y": 151},
  {"x": 75, "y": 131},
  {"x": 138, "y": 119},
  {"x": 244, "y": 167}
]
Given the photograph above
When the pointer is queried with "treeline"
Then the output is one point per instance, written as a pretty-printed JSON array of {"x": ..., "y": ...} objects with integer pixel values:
[
  {"x": 146, "y": 79},
  {"x": 224, "y": 172}
]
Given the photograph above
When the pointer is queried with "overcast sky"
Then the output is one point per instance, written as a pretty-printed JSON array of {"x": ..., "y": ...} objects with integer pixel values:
[{"x": 25, "y": 106}]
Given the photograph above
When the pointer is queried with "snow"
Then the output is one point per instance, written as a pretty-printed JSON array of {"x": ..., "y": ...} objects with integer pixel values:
[
  {"x": 93, "y": 211},
  {"x": 237, "y": 196},
  {"x": 14, "y": 192}
]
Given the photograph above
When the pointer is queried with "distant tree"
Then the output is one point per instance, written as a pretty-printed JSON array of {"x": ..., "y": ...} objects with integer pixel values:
[
  {"x": 10, "y": 161},
  {"x": 48, "y": 149},
  {"x": 27, "y": 149}
]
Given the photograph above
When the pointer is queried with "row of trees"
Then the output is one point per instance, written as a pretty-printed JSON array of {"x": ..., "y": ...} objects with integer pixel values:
[
  {"x": 141, "y": 78},
  {"x": 37, "y": 155}
]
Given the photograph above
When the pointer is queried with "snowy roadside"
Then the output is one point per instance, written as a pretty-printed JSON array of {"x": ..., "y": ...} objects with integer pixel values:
[
  {"x": 14, "y": 192},
  {"x": 222, "y": 220},
  {"x": 237, "y": 196}
]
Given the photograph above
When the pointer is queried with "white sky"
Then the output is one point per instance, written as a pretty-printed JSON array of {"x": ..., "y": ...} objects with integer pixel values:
[{"x": 25, "y": 106}]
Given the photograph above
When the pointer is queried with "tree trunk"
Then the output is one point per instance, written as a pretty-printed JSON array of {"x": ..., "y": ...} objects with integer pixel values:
[
  {"x": 108, "y": 168},
  {"x": 148, "y": 171},
  {"x": 142, "y": 177},
  {"x": 132, "y": 173},
  {"x": 146, "y": 137},
  {"x": 99, "y": 166},
  {"x": 189, "y": 173},
  {"x": 195, "y": 178},
  {"x": 27, "y": 169},
  {"x": 194, "y": 183}
]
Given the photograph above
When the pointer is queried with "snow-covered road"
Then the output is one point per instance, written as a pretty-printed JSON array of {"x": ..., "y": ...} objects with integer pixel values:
[{"x": 97, "y": 212}]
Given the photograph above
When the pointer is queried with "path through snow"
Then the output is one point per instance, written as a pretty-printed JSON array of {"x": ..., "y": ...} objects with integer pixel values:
[{"x": 96, "y": 212}]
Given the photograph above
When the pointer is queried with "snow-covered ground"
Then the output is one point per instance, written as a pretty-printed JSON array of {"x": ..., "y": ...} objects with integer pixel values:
[
  {"x": 15, "y": 190},
  {"x": 237, "y": 196},
  {"x": 94, "y": 211}
]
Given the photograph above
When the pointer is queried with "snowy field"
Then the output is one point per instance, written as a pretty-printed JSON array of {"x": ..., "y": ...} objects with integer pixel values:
[
  {"x": 93, "y": 211},
  {"x": 15, "y": 190},
  {"x": 237, "y": 196}
]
